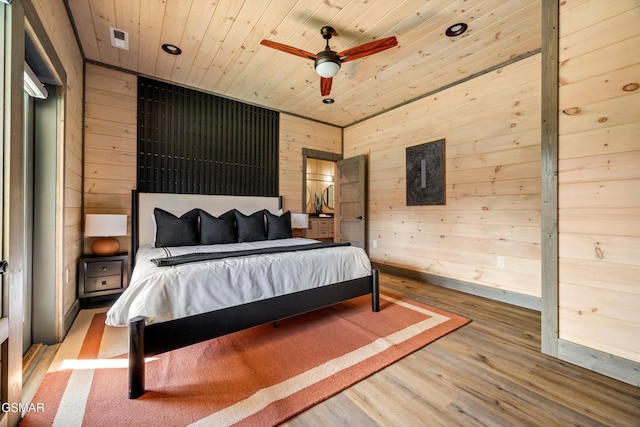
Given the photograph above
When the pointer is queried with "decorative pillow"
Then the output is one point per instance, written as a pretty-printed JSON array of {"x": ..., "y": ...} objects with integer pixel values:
[
  {"x": 278, "y": 227},
  {"x": 250, "y": 228},
  {"x": 217, "y": 230},
  {"x": 174, "y": 231}
]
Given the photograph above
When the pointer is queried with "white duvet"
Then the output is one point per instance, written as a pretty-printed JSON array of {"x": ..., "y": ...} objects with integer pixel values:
[{"x": 165, "y": 293}]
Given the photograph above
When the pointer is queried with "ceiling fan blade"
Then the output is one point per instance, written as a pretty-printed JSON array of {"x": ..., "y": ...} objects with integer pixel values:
[
  {"x": 289, "y": 49},
  {"x": 325, "y": 85},
  {"x": 367, "y": 49}
]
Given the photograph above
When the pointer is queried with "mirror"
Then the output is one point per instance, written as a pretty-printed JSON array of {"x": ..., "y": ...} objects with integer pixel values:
[{"x": 327, "y": 197}]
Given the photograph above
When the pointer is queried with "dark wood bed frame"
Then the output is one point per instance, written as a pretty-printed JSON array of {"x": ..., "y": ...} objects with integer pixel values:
[{"x": 150, "y": 340}]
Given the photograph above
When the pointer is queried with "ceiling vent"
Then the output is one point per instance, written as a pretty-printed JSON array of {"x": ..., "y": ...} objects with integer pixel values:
[{"x": 119, "y": 38}]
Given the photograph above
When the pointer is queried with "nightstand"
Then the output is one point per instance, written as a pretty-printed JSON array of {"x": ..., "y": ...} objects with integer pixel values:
[{"x": 102, "y": 275}]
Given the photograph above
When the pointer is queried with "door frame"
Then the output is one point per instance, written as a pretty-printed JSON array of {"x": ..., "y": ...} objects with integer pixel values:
[
  {"x": 13, "y": 249},
  {"x": 52, "y": 323}
]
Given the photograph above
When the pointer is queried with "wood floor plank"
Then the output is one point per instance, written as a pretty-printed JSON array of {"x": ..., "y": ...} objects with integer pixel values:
[{"x": 489, "y": 372}]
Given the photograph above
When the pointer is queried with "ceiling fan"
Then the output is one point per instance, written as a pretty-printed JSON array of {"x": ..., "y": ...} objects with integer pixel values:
[{"x": 327, "y": 62}]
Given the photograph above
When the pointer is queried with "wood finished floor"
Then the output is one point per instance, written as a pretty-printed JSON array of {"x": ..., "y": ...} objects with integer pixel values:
[{"x": 488, "y": 373}]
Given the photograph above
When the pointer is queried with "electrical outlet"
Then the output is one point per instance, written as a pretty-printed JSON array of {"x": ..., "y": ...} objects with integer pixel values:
[
  {"x": 374, "y": 244},
  {"x": 502, "y": 261}
]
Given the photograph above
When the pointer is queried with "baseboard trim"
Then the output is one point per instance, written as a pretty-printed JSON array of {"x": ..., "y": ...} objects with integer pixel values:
[
  {"x": 621, "y": 369},
  {"x": 69, "y": 318},
  {"x": 513, "y": 298}
]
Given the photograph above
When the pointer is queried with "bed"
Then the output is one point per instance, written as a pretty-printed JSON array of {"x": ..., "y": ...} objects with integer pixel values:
[{"x": 189, "y": 293}]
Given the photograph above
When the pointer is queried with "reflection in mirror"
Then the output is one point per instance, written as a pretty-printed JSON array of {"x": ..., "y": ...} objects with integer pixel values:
[
  {"x": 327, "y": 197},
  {"x": 319, "y": 183}
]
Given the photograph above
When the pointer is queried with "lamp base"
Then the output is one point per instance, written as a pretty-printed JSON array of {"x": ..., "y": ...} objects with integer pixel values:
[{"x": 105, "y": 246}]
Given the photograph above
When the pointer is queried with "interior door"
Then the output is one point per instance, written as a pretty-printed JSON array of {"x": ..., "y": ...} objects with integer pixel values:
[
  {"x": 350, "y": 200},
  {"x": 4, "y": 281},
  {"x": 12, "y": 30}
]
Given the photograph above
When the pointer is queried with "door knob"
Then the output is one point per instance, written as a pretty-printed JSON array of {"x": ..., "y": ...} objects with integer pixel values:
[{"x": 4, "y": 267}]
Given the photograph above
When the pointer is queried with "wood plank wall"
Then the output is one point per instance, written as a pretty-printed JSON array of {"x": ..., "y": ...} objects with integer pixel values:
[
  {"x": 492, "y": 129},
  {"x": 55, "y": 21},
  {"x": 599, "y": 176},
  {"x": 111, "y": 103}
]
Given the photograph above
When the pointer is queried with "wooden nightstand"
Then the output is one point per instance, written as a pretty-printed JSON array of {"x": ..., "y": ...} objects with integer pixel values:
[{"x": 102, "y": 275}]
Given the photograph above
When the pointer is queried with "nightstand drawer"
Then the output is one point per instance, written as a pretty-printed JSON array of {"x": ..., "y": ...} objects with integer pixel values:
[
  {"x": 104, "y": 283},
  {"x": 99, "y": 276},
  {"x": 104, "y": 268}
]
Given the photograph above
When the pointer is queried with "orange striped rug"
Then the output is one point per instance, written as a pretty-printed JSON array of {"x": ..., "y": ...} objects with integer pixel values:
[{"x": 260, "y": 376}]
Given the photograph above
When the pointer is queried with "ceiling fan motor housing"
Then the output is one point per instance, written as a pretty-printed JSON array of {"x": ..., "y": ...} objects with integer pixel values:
[{"x": 327, "y": 64}]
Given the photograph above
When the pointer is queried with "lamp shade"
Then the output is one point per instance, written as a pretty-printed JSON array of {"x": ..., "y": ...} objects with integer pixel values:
[
  {"x": 105, "y": 225},
  {"x": 299, "y": 220}
]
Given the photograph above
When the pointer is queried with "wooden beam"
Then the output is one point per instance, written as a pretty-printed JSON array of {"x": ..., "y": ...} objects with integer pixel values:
[{"x": 549, "y": 154}]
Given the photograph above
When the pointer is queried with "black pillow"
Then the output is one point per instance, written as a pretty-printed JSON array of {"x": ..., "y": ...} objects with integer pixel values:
[
  {"x": 250, "y": 228},
  {"x": 174, "y": 231},
  {"x": 278, "y": 227},
  {"x": 217, "y": 230}
]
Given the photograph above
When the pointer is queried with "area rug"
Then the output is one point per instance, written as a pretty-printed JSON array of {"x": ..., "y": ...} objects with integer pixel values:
[{"x": 261, "y": 376}]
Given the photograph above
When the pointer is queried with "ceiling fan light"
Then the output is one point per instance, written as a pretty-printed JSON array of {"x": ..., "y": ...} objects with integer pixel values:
[
  {"x": 327, "y": 64},
  {"x": 327, "y": 69}
]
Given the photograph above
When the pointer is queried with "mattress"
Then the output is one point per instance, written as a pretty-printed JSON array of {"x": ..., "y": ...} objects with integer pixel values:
[{"x": 166, "y": 293}]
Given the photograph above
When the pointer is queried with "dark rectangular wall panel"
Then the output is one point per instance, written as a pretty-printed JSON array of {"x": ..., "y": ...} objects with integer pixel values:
[{"x": 196, "y": 143}]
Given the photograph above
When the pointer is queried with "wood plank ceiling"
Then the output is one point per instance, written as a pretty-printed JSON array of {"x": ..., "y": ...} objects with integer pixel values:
[{"x": 221, "y": 51}]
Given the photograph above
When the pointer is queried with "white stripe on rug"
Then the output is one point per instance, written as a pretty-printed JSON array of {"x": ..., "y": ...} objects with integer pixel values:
[
  {"x": 260, "y": 400},
  {"x": 74, "y": 400}
]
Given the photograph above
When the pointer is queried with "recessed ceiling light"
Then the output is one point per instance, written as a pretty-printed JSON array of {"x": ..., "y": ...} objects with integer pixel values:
[
  {"x": 171, "y": 49},
  {"x": 328, "y": 100},
  {"x": 456, "y": 29}
]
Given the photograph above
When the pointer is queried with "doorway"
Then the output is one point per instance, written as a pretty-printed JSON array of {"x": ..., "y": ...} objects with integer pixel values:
[
  {"x": 42, "y": 136},
  {"x": 343, "y": 196},
  {"x": 40, "y": 153},
  {"x": 318, "y": 172}
]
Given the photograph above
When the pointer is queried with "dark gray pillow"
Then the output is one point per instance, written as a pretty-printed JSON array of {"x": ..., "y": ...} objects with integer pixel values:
[
  {"x": 250, "y": 228},
  {"x": 174, "y": 231},
  {"x": 218, "y": 230},
  {"x": 278, "y": 227}
]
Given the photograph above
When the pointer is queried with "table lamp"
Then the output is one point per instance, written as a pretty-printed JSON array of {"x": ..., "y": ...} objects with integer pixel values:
[{"x": 105, "y": 226}]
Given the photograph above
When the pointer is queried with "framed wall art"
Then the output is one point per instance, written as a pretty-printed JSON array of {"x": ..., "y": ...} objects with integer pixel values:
[{"x": 426, "y": 174}]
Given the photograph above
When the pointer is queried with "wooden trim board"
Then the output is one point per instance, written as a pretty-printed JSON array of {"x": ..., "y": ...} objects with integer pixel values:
[
  {"x": 549, "y": 153},
  {"x": 624, "y": 370},
  {"x": 509, "y": 297}
]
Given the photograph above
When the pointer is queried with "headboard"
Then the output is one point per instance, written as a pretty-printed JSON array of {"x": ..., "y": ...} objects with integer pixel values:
[{"x": 143, "y": 204}]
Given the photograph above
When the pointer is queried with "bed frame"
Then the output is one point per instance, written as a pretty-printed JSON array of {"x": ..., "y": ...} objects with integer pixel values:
[{"x": 150, "y": 340}]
